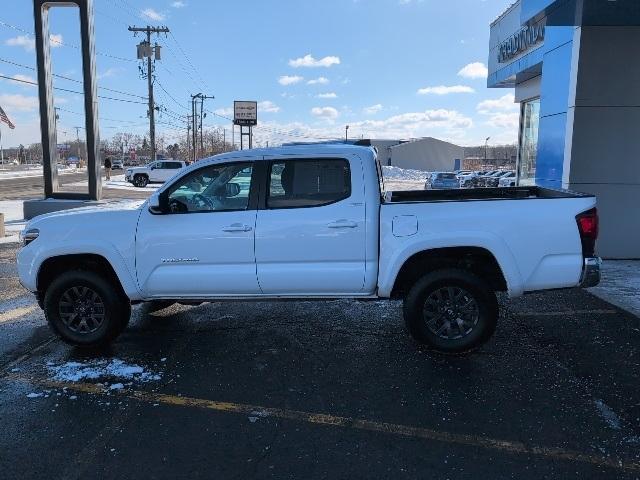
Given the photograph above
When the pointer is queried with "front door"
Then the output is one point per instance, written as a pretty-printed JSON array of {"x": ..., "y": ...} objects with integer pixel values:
[
  {"x": 204, "y": 246},
  {"x": 310, "y": 232}
]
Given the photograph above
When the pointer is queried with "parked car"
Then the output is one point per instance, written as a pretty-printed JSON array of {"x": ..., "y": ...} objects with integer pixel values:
[
  {"x": 117, "y": 164},
  {"x": 466, "y": 179},
  {"x": 155, "y": 172},
  {"x": 482, "y": 179},
  {"x": 309, "y": 223},
  {"x": 441, "y": 180},
  {"x": 493, "y": 180},
  {"x": 508, "y": 180}
]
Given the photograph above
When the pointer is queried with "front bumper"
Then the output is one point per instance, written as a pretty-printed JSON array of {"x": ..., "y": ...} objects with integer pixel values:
[{"x": 590, "y": 272}]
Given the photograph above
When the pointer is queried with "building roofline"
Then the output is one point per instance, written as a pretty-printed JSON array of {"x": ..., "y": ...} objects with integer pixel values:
[{"x": 504, "y": 14}]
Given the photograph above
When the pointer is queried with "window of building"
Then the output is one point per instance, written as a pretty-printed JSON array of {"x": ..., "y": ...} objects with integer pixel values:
[
  {"x": 308, "y": 183},
  {"x": 530, "y": 120}
]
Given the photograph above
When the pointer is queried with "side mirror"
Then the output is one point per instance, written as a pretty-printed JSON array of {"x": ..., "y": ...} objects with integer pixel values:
[
  {"x": 158, "y": 203},
  {"x": 232, "y": 190}
]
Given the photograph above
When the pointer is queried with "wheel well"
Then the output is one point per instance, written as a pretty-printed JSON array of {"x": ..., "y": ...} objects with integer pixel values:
[
  {"x": 478, "y": 260},
  {"x": 54, "y": 266}
]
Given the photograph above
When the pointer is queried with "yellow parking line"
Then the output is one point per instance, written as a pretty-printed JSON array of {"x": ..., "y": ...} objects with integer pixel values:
[
  {"x": 569, "y": 312},
  {"x": 16, "y": 313},
  {"x": 353, "y": 423}
]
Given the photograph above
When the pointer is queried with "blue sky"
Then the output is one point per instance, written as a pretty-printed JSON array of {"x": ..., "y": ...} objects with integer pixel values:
[{"x": 387, "y": 68}]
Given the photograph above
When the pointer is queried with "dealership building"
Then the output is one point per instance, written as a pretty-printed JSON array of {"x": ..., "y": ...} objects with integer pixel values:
[{"x": 575, "y": 68}]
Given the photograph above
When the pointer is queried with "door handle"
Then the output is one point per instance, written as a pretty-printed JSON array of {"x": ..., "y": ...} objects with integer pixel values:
[
  {"x": 237, "y": 227},
  {"x": 342, "y": 224}
]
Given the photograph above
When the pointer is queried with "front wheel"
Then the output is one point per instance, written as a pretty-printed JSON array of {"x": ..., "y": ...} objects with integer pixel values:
[
  {"x": 85, "y": 309},
  {"x": 140, "y": 181},
  {"x": 451, "y": 310}
]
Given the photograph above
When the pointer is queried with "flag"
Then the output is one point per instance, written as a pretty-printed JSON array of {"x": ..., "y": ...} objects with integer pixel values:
[{"x": 5, "y": 119}]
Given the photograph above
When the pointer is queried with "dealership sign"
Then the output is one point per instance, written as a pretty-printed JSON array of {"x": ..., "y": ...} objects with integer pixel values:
[
  {"x": 245, "y": 113},
  {"x": 521, "y": 41}
]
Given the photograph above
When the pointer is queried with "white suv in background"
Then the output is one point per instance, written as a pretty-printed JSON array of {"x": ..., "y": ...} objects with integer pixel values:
[{"x": 155, "y": 172}]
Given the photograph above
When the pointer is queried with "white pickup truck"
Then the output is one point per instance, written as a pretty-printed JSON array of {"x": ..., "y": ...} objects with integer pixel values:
[{"x": 309, "y": 222}]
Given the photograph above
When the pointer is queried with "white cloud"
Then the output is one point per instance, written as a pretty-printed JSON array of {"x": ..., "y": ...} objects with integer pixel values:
[
  {"x": 225, "y": 112},
  {"x": 23, "y": 41},
  {"x": 505, "y": 120},
  {"x": 502, "y": 112},
  {"x": 327, "y": 113},
  {"x": 268, "y": 106},
  {"x": 56, "y": 40},
  {"x": 327, "y": 95},
  {"x": 502, "y": 104},
  {"x": 29, "y": 43},
  {"x": 474, "y": 70},
  {"x": 445, "y": 90},
  {"x": 151, "y": 14},
  {"x": 109, "y": 72},
  {"x": 290, "y": 79},
  {"x": 318, "y": 81},
  {"x": 19, "y": 103},
  {"x": 178, "y": 4},
  {"x": 373, "y": 109},
  {"x": 25, "y": 78},
  {"x": 309, "y": 61}
]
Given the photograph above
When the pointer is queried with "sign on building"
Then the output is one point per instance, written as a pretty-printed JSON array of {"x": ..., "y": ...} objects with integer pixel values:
[{"x": 245, "y": 113}]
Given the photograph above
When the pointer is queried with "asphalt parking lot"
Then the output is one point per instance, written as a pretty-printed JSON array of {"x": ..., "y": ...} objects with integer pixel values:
[{"x": 320, "y": 390}]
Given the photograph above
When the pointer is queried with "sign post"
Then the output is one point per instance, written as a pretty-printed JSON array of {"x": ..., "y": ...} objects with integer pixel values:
[{"x": 245, "y": 114}]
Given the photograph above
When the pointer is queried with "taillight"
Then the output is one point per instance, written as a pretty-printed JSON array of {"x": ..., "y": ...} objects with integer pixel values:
[{"x": 588, "y": 228}]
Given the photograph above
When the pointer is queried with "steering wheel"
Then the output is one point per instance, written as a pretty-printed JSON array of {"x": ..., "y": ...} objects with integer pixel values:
[{"x": 201, "y": 202}]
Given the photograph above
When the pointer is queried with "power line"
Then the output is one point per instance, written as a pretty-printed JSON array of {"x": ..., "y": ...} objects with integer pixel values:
[
  {"x": 72, "y": 79},
  {"x": 188, "y": 60},
  {"x": 64, "y": 44},
  {"x": 72, "y": 91},
  {"x": 171, "y": 96}
]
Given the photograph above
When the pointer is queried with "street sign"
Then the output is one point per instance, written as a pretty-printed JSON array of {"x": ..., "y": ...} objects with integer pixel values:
[{"x": 245, "y": 113}]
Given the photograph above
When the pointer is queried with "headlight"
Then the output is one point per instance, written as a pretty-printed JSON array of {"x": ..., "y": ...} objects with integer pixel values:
[{"x": 29, "y": 236}]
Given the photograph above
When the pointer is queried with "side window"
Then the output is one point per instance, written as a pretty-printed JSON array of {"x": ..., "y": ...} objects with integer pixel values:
[
  {"x": 161, "y": 165},
  {"x": 174, "y": 165},
  {"x": 212, "y": 189},
  {"x": 308, "y": 183}
]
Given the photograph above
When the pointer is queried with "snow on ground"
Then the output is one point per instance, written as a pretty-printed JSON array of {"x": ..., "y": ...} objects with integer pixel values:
[
  {"x": 114, "y": 369},
  {"x": 397, "y": 173},
  {"x": 397, "y": 179},
  {"x": 35, "y": 171},
  {"x": 118, "y": 182},
  {"x": 13, "y": 219}
]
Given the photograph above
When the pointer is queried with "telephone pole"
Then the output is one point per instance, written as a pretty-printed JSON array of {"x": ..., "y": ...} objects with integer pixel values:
[
  {"x": 194, "y": 112},
  {"x": 145, "y": 50}
]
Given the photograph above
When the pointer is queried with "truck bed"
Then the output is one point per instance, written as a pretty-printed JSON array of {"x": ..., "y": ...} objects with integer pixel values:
[{"x": 477, "y": 194}]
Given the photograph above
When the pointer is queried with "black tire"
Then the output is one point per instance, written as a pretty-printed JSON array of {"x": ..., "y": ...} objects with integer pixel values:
[
  {"x": 455, "y": 296},
  {"x": 66, "y": 310},
  {"x": 140, "y": 180}
]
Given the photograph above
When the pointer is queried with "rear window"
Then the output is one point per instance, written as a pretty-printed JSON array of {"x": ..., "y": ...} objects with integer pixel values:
[
  {"x": 447, "y": 176},
  {"x": 308, "y": 183}
]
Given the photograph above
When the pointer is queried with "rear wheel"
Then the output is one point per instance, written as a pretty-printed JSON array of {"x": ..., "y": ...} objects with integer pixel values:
[
  {"x": 451, "y": 310},
  {"x": 85, "y": 309},
  {"x": 140, "y": 181}
]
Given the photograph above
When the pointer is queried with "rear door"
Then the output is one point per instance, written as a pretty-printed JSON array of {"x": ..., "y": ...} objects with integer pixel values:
[{"x": 310, "y": 228}]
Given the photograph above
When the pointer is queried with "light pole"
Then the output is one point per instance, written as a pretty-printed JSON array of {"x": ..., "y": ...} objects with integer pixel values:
[
  {"x": 486, "y": 141},
  {"x": 346, "y": 133}
]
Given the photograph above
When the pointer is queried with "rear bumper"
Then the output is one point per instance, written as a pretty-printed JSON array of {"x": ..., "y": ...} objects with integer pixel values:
[{"x": 590, "y": 272}]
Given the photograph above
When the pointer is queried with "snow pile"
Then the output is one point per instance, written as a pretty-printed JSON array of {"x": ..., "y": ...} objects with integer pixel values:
[
  {"x": 397, "y": 173},
  {"x": 101, "y": 368}
]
